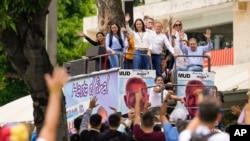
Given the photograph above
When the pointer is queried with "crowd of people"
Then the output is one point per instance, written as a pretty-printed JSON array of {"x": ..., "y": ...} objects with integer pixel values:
[
  {"x": 147, "y": 117},
  {"x": 146, "y": 46},
  {"x": 140, "y": 123}
]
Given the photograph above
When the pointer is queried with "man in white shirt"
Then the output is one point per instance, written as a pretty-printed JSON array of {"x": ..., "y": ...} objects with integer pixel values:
[
  {"x": 204, "y": 121},
  {"x": 159, "y": 41},
  {"x": 158, "y": 92}
]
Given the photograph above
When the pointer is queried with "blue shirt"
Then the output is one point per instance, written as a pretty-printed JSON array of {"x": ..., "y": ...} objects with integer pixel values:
[
  {"x": 200, "y": 50},
  {"x": 34, "y": 136},
  {"x": 170, "y": 132},
  {"x": 115, "y": 43}
]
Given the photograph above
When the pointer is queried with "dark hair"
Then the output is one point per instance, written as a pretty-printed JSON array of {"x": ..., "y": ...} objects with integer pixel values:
[
  {"x": 75, "y": 137},
  {"x": 111, "y": 34},
  {"x": 95, "y": 120},
  {"x": 148, "y": 119},
  {"x": 104, "y": 128},
  {"x": 114, "y": 120},
  {"x": 158, "y": 77},
  {"x": 99, "y": 33},
  {"x": 186, "y": 42},
  {"x": 221, "y": 95},
  {"x": 181, "y": 125},
  {"x": 209, "y": 109},
  {"x": 143, "y": 25},
  {"x": 157, "y": 127},
  {"x": 77, "y": 122}
]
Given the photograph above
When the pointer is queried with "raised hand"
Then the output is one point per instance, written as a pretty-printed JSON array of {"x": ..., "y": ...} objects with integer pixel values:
[
  {"x": 56, "y": 80},
  {"x": 93, "y": 102},
  {"x": 182, "y": 34},
  {"x": 235, "y": 110},
  {"x": 138, "y": 96},
  {"x": 207, "y": 34},
  {"x": 173, "y": 32},
  {"x": 127, "y": 17},
  {"x": 81, "y": 34},
  {"x": 183, "y": 101},
  {"x": 170, "y": 22},
  {"x": 113, "y": 109},
  {"x": 147, "y": 105}
]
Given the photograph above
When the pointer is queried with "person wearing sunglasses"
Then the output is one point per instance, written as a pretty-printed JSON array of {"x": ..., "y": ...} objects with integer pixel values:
[{"x": 173, "y": 34}]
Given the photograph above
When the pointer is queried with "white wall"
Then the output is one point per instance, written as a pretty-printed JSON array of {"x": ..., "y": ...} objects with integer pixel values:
[{"x": 241, "y": 33}]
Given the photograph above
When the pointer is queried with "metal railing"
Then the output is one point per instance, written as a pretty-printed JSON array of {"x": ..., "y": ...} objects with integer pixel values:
[
  {"x": 205, "y": 90},
  {"x": 203, "y": 56},
  {"x": 121, "y": 57}
]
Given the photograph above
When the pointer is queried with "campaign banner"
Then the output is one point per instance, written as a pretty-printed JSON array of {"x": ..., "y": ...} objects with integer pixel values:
[
  {"x": 79, "y": 90},
  {"x": 190, "y": 85},
  {"x": 130, "y": 82}
]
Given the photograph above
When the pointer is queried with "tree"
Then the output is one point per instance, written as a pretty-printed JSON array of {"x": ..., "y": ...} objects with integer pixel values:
[
  {"x": 22, "y": 30},
  {"x": 70, "y": 15},
  {"x": 11, "y": 85},
  {"x": 109, "y": 10}
]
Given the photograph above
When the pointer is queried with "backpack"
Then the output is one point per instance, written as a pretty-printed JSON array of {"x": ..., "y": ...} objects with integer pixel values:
[{"x": 200, "y": 137}]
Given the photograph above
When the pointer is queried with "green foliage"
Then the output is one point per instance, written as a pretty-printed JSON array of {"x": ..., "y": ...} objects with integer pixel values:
[
  {"x": 10, "y": 88},
  {"x": 70, "y": 15},
  {"x": 70, "y": 46},
  {"x": 10, "y": 9}
]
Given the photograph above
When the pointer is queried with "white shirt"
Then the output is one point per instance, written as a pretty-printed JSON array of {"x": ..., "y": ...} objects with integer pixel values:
[
  {"x": 142, "y": 39},
  {"x": 121, "y": 128},
  {"x": 40, "y": 139},
  {"x": 158, "y": 42},
  {"x": 155, "y": 98},
  {"x": 180, "y": 61},
  {"x": 185, "y": 135}
]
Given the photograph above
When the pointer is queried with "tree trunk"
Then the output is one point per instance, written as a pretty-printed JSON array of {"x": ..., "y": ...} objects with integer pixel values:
[
  {"x": 25, "y": 49},
  {"x": 109, "y": 10}
]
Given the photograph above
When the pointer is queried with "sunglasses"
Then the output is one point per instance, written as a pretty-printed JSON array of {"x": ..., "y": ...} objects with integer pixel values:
[{"x": 177, "y": 24}]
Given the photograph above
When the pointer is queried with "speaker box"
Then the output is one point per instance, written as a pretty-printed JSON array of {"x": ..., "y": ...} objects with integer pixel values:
[
  {"x": 100, "y": 62},
  {"x": 92, "y": 66},
  {"x": 76, "y": 67},
  {"x": 95, "y": 50}
]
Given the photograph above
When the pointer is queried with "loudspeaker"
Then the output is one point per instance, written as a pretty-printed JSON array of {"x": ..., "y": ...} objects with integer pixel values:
[
  {"x": 95, "y": 50},
  {"x": 76, "y": 67},
  {"x": 92, "y": 66},
  {"x": 100, "y": 62},
  {"x": 128, "y": 7}
]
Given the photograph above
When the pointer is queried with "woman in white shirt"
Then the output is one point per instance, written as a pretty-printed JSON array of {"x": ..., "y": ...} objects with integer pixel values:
[{"x": 142, "y": 44}]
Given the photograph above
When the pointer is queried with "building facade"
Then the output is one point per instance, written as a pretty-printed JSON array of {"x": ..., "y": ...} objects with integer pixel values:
[{"x": 228, "y": 20}]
